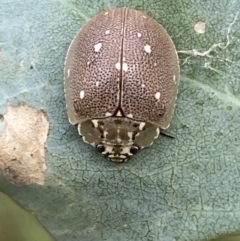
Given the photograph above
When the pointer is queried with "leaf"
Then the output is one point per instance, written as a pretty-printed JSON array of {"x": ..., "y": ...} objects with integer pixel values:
[
  {"x": 17, "y": 224},
  {"x": 186, "y": 188}
]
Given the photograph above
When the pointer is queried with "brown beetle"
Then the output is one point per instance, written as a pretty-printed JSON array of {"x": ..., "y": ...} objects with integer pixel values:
[{"x": 121, "y": 82}]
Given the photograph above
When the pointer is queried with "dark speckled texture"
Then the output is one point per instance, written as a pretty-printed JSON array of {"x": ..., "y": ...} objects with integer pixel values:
[{"x": 120, "y": 60}]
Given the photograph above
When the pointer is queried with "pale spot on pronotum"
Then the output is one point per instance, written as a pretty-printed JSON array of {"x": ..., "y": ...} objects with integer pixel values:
[
  {"x": 97, "y": 47},
  {"x": 144, "y": 16},
  {"x": 108, "y": 149},
  {"x": 91, "y": 143},
  {"x": 147, "y": 48},
  {"x": 155, "y": 64},
  {"x": 125, "y": 67},
  {"x": 158, "y": 95},
  {"x": 119, "y": 140},
  {"x": 130, "y": 135},
  {"x": 88, "y": 62},
  {"x": 130, "y": 116},
  {"x": 142, "y": 124},
  {"x": 68, "y": 72},
  {"x": 122, "y": 156},
  {"x": 108, "y": 114},
  {"x": 126, "y": 150},
  {"x": 95, "y": 123},
  {"x": 107, "y": 32},
  {"x": 106, "y": 13},
  {"x": 139, "y": 35},
  {"x": 97, "y": 83},
  {"x": 117, "y": 65},
  {"x": 81, "y": 94},
  {"x": 79, "y": 129},
  {"x": 105, "y": 133},
  {"x": 157, "y": 133},
  {"x": 143, "y": 85}
]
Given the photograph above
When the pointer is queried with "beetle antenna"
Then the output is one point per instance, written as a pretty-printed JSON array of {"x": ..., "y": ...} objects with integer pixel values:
[{"x": 167, "y": 135}]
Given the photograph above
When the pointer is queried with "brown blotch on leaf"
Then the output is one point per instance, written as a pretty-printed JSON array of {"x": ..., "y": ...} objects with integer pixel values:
[{"x": 22, "y": 152}]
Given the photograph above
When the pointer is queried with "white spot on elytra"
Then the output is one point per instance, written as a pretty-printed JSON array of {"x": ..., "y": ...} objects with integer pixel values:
[
  {"x": 68, "y": 72},
  {"x": 97, "y": 47},
  {"x": 142, "y": 124},
  {"x": 108, "y": 114},
  {"x": 130, "y": 115},
  {"x": 143, "y": 85},
  {"x": 117, "y": 65},
  {"x": 106, "y": 13},
  {"x": 155, "y": 64},
  {"x": 144, "y": 17},
  {"x": 158, "y": 95},
  {"x": 147, "y": 48},
  {"x": 107, "y": 32},
  {"x": 119, "y": 113},
  {"x": 81, "y": 94},
  {"x": 88, "y": 62},
  {"x": 125, "y": 67},
  {"x": 139, "y": 35},
  {"x": 97, "y": 83}
]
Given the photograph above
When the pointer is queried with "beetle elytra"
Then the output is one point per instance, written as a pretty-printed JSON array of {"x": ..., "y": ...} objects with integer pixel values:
[{"x": 121, "y": 82}]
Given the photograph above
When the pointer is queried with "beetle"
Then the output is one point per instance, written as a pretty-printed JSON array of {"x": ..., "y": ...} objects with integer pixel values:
[{"x": 121, "y": 80}]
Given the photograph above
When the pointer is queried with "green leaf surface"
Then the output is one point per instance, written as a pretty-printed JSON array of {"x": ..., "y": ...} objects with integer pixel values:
[
  {"x": 186, "y": 188},
  {"x": 17, "y": 224}
]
